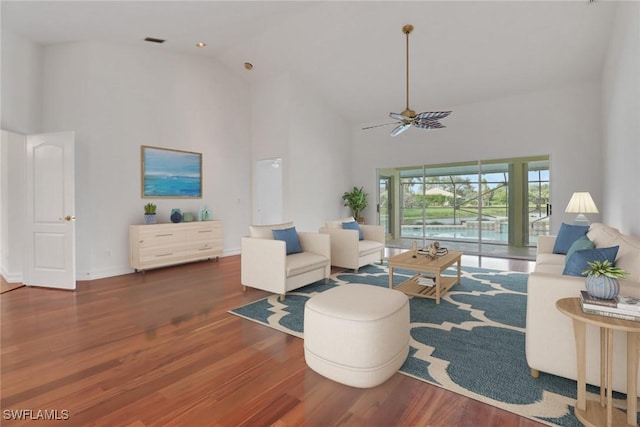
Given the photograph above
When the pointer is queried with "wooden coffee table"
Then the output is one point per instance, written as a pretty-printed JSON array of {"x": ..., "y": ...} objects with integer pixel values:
[{"x": 423, "y": 264}]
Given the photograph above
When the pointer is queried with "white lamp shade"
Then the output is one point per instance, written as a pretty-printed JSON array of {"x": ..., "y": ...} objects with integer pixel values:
[{"x": 581, "y": 203}]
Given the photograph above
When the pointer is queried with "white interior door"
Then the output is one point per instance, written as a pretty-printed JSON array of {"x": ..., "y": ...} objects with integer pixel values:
[
  {"x": 50, "y": 239},
  {"x": 267, "y": 191}
]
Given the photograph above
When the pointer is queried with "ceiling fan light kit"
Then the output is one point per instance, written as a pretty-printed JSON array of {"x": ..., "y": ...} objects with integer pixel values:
[{"x": 408, "y": 118}]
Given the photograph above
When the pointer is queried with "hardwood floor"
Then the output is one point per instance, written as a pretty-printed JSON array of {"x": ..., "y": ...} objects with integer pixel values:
[
  {"x": 160, "y": 349},
  {"x": 6, "y": 286}
]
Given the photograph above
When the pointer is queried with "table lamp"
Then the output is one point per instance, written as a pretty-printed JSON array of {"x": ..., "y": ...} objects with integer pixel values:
[{"x": 581, "y": 203}]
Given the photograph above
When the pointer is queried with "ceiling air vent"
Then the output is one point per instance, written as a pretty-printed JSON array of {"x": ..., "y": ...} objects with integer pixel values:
[{"x": 154, "y": 40}]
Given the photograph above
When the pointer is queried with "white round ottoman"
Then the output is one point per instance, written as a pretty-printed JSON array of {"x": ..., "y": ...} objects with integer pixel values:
[{"x": 357, "y": 335}]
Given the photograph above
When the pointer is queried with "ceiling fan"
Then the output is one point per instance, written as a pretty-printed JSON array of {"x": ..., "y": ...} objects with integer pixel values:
[{"x": 408, "y": 118}]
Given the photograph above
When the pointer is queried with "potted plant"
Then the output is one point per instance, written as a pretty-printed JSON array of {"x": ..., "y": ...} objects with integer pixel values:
[
  {"x": 602, "y": 279},
  {"x": 150, "y": 213},
  {"x": 356, "y": 200}
]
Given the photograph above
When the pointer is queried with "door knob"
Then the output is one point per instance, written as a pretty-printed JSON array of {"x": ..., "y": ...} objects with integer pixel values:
[{"x": 69, "y": 218}]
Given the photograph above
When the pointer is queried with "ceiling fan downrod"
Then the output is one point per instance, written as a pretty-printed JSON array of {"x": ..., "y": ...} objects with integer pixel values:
[{"x": 407, "y": 29}]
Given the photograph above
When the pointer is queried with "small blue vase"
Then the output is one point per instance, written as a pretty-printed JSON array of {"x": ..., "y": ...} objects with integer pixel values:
[
  {"x": 176, "y": 216},
  {"x": 602, "y": 287}
]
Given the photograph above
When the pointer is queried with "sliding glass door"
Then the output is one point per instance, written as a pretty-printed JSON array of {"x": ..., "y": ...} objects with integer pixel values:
[{"x": 494, "y": 207}]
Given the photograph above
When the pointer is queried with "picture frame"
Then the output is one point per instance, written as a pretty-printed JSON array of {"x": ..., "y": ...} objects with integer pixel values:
[{"x": 169, "y": 173}]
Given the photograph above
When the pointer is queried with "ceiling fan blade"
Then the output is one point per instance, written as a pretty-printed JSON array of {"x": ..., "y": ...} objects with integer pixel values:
[
  {"x": 400, "y": 128},
  {"x": 435, "y": 115},
  {"x": 428, "y": 124},
  {"x": 377, "y": 126},
  {"x": 398, "y": 116}
]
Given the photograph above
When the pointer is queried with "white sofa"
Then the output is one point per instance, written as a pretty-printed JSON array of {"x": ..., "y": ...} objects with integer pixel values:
[
  {"x": 550, "y": 343},
  {"x": 264, "y": 263},
  {"x": 347, "y": 251}
]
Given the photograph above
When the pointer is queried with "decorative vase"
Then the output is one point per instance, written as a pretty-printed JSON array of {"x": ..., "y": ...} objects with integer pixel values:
[
  {"x": 602, "y": 287},
  {"x": 176, "y": 216},
  {"x": 150, "y": 218},
  {"x": 205, "y": 214}
]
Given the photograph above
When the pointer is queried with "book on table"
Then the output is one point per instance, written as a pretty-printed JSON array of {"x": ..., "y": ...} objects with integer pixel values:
[
  {"x": 610, "y": 308},
  {"x": 629, "y": 303},
  {"x": 613, "y": 314},
  {"x": 622, "y": 302},
  {"x": 597, "y": 302},
  {"x": 427, "y": 279},
  {"x": 440, "y": 252}
]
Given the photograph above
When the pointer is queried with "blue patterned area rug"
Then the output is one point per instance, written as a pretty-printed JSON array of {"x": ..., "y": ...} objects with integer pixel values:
[{"x": 473, "y": 343}]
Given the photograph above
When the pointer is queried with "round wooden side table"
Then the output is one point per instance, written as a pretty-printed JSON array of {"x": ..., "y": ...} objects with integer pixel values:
[{"x": 593, "y": 413}]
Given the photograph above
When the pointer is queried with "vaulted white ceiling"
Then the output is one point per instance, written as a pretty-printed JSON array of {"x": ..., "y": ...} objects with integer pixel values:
[{"x": 353, "y": 53}]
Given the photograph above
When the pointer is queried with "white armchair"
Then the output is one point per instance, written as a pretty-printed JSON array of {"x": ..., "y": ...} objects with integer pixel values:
[
  {"x": 347, "y": 251},
  {"x": 264, "y": 263}
]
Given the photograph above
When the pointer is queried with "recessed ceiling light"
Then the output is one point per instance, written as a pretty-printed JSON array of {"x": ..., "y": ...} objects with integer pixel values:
[
  {"x": 201, "y": 44},
  {"x": 248, "y": 65},
  {"x": 154, "y": 40}
]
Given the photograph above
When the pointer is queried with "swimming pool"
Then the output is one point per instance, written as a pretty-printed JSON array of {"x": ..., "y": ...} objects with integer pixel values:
[
  {"x": 462, "y": 234},
  {"x": 458, "y": 233}
]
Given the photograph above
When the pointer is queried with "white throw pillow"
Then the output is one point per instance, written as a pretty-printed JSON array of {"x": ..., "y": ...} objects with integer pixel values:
[
  {"x": 266, "y": 231},
  {"x": 337, "y": 223}
]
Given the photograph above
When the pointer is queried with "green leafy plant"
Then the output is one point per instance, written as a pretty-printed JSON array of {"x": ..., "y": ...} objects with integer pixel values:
[
  {"x": 356, "y": 200},
  {"x": 149, "y": 208},
  {"x": 604, "y": 268}
]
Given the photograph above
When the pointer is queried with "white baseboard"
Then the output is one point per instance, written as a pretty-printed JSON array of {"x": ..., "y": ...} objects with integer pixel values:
[
  {"x": 119, "y": 271},
  {"x": 101, "y": 274},
  {"x": 12, "y": 277},
  {"x": 229, "y": 252}
]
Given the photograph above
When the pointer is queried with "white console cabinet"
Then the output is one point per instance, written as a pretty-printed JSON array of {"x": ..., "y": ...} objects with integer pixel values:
[{"x": 160, "y": 245}]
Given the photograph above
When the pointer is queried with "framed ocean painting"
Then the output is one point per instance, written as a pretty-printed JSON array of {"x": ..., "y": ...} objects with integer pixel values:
[{"x": 171, "y": 173}]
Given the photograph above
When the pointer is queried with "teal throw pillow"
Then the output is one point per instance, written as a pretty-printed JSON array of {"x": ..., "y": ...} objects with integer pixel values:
[
  {"x": 353, "y": 225},
  {"x": 290, "y": 237},
  {"x": 580, "y": 244},
  {"x": 567, "y": 235},
  {"x": 578, "y": 261}
]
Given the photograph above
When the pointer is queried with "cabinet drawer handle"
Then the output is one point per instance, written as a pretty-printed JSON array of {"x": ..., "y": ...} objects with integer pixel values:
[
  {"x": 164, "y": 235},
  {"x": 169, "y": 254}
]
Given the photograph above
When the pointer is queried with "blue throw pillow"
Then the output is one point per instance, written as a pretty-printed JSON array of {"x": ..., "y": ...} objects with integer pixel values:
[
  {"x": 580, "y": 244},
  {"x": 353, "y": 226},
  {"x": 567, "y": 235},
  {"x": 290, "y": 237},
  {"x": 577, "y": 263}
]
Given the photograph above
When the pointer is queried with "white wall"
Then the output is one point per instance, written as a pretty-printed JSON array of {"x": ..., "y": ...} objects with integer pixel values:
[
  {"x": 290, "y": 121},
  {"x": 320, "y": 160},
  {"x": 270, "y": 119},
  {"x": 564, "y": 123},
  {"x": 621, "y": 112},
  {"x": 21, "y": 95},
  {"x": 21, "y": 84},
  {"x": 270, "y": 136},
  {"x": 118, "y": 98},
  {"x": 12, "y": 164}
]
